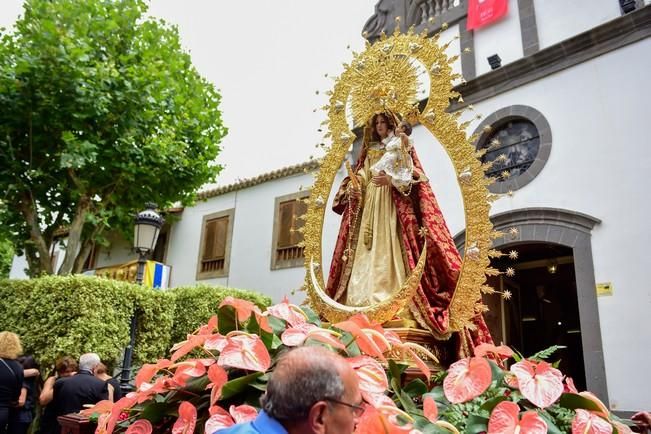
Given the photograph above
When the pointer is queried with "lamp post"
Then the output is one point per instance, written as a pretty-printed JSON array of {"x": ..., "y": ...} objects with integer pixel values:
[{"x": 146, "y": 229}]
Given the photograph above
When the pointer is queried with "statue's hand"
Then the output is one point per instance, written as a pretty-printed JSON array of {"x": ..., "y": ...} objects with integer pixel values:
[{"x": 381, "y": 179}]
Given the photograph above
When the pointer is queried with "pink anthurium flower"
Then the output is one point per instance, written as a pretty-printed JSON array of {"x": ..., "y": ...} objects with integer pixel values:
[
  {"x": 187, "y": 419},
  {"x": 430, "y": 410},
  {"x": 504, "y": 420},
  {"x": 372, "y": 378},
  {"x": 364, "y": 342},
  {"x": 245, "y": 351},
  {"x": 501, "y": 352},
  {"x": 378, "y": 419},
  {"x": 215, "y": 342},
  {"x": 539, "y": 382},
  {"x": 244, "y": 308},
  {"x": 183, "y": 348},
  {"x": 467, "y": 379},
  {"x": 218, "y": 377},
  {"x": 603, "y": 410},
  {"x": 141, "y": 426},
  {"x": 288, "y": 312},
  {"x": 586, "y": 422},
  {"x": 295, "y": 336},
  {"x": 219, "y": 419},
  {"x": 243, "y": 413},
  {"x": 147, "y": 371}
]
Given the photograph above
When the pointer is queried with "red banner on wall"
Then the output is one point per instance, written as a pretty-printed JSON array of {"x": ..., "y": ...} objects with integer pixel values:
[{"x": 484, "y": 12}]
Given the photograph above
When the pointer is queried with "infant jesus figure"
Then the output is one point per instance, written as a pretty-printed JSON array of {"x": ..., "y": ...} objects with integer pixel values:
[{"x": 396, "y": 161}]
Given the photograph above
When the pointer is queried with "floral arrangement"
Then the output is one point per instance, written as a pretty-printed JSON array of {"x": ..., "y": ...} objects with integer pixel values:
[{"x": 215, "y": 378}]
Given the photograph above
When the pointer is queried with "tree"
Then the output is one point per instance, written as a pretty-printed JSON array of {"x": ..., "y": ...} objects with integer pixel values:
[{"x": 100, "y": 111}]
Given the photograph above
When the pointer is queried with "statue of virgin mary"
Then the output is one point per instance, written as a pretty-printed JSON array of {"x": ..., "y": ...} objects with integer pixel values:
[{"x": 386, "y": 218}]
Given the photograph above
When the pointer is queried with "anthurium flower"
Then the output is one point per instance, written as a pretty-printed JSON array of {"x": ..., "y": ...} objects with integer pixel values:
[
  {"x": 183, "y": 348},
  {"x": 187, "y": 419},
  {"x": 244, "y": 308},
  {"x": 219, "y": 419},
  {"x": 147, "y": 371},
  {"x": 187, "y": 370},
  {"x": 586, "y": 422},
  {"x": 364, "y": 342},
  {"x": 291, "y": 313},
  {"x": 501, "y": 352},
  {"x": 141, "y": 426},
  {"x": 122, "y": 404},
  {"x": 245, "y": 351},
  {"x": 603, "y": 410},
  {"x": 101, "y": 407},
  {"x": 467, "y": 379},
  {"x": 569, "y": 386},
  {"x": 381, "y": 420},
  {"x": 218, "y": 377},
  {"x": 372, "y": 378},
  {"x": 430, "y": 410},
  {"x": 215, "y": 342},
  {"x": 539, "y": 382},
  {"x": 243, "y": 413},
  {"x": 295, "y": 336},
  {"x": 504, "y": 420},
  {"x": 208, "y": 328}
]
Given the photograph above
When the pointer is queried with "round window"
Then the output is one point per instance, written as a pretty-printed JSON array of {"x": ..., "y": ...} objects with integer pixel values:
[{"x": 512, "y": 148}]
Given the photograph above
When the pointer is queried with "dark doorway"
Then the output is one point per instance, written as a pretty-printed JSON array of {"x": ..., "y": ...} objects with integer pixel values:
[{"x": 543, "y": 307}]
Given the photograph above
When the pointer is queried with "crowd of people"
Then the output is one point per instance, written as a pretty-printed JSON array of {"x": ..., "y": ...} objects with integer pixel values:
[{"x": 24, "y": 397}]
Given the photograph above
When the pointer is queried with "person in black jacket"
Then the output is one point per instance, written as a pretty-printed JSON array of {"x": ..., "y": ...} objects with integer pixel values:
[
  {"x": 72, "y": 393},
  {"x": 65, "y": 367},
  {"x": 11, "y": 380}
]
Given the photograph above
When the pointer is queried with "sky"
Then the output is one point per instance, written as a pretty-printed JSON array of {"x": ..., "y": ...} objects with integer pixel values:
[{"x": 268, "y": 59}]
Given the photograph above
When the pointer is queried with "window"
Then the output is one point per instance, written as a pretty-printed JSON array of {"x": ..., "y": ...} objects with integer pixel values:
[
  {"x": 512, "y": 148},
  {"x": 518, "y": 141},
  {"x": 286, "y": 251},
  {"x": 214, "y": 251}
]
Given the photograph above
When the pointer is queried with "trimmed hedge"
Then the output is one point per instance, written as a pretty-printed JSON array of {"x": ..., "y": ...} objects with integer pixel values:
[{"x": 71, "y": 315}]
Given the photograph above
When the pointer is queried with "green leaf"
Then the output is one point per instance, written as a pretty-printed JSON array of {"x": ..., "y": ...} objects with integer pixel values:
[
  {"x": 476, "y": 424},
  {"x": 551, "y": 426},
  {"x": 497, "y": 373},
  {"x": 574, "y": 401},
  {"x": 312, "y": 316},
  {"x": 546, "y": 353},
  {"x": 490, "y": 404},
  {"x": 238, "y": 385},
  {"x": 415, "y": 388},
  {"x": 155, "y": 411},
  {"x": 407, "y": 402}
]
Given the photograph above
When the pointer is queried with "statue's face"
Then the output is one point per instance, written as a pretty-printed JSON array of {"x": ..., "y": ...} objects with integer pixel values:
[{"x": 381, "y": 126}]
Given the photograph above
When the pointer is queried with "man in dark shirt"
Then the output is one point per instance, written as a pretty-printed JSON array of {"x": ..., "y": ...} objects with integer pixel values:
[{"x": 72, "y": 393}]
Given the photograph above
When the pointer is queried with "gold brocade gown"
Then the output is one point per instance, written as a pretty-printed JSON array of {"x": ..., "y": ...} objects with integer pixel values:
[{"x": 378, "y": 269}]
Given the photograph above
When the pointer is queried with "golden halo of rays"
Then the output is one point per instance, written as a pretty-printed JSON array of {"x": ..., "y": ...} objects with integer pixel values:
[{"x": 383, "y": 77}]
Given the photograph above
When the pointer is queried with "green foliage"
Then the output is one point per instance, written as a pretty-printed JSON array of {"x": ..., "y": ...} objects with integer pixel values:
[
  {"x": 6, "y": 256},
  {"x": 101, "y": 110},
  {"x": 70, "y": 315},
  {"x": 546, "y": 353},
  {"x": 196, "y": 304}
]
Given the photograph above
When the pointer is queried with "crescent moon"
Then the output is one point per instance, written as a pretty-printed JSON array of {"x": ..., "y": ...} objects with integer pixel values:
[{"x": 382, "y": 312}]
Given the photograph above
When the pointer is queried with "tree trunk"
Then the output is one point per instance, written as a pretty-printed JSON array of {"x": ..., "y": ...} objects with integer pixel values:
[
  {"x": 73, "y": 245},
  {"x": 41, "y": 249}
]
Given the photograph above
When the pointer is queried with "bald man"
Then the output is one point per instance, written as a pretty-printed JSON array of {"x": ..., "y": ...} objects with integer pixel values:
[{"x": 311, "y": 391}]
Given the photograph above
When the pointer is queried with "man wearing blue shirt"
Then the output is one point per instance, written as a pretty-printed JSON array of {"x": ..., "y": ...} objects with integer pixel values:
[{"x": 311, "y": 391}]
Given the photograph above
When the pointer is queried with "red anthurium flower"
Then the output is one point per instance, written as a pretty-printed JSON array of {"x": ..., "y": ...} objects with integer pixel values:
[
  {"x": 467, "y": 379},
  {"x": 430, "y": 410},
  {"x": 501, "y": 352},
  {"x": 539, "y": 382},
  {"x": 141, "y": 426},
  {"x": 504, "y": 420},
  {"x": 585, "y": 422},
  {"x": 120, "y": 405},
  {"x": 245, "y": 351},
  {"x": 284, "y": 310},
  {"x": 365, "y": 343},
  {"x": 218, "y": 377},
  {"x": 219, "y": 419},
  {"x": 244, "y": 308},
  {"x": 209, "y": 328},
  {"x": 187, "y": 370},
  {"x": 183, "y": 348},
  {"x": 243, "y": 413},
  {"x": 147, "y": 371},
  {"x": 187, "y": 419}
]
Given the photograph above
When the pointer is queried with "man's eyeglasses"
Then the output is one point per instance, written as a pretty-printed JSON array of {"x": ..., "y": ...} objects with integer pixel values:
[{"x": 357, "y": 410}]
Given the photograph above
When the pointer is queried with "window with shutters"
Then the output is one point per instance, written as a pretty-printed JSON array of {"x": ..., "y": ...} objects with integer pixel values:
[
  {"x": 215, "y": 246},
  {"x": 287, "y": 250}
]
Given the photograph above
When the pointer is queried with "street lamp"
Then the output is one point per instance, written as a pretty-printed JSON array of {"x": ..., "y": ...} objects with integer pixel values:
[{"x": 145, "y": 234}]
